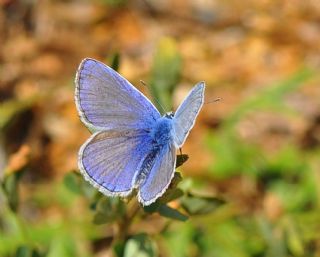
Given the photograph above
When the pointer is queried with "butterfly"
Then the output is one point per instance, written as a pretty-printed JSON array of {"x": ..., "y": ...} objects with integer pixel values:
[{"x": 132, "y": 147}]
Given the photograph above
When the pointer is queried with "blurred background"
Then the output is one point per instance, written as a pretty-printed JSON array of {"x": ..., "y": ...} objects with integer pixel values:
[{"x": 257, "y": 149}]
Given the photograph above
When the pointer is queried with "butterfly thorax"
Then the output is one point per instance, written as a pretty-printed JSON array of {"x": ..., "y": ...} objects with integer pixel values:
[{"x": 161, "y": 133}]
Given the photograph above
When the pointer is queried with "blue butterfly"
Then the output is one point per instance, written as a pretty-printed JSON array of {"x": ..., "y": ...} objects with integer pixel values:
[{"x": 132, "y": 146}]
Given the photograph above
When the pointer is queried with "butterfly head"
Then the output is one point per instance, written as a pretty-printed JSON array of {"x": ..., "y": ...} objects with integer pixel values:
[{"x": 169, "y": 115}]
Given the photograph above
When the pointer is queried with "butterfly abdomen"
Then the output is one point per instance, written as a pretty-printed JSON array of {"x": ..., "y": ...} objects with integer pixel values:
[{"x": 145, "y": 167}]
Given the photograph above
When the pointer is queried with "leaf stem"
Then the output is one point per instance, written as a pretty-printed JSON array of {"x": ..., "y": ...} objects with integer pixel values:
[
  {"x": 18, "y": 220},
  {"x": 123, "y": 225}
]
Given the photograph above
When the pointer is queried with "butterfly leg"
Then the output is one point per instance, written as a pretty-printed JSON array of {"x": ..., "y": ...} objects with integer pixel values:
[{"x": 180, "y": 150}]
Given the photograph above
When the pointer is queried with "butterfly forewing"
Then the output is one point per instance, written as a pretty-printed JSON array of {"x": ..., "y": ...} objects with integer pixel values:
[
  {"x": 185, "y": 116},
  {"x": 106, "y": 100}
]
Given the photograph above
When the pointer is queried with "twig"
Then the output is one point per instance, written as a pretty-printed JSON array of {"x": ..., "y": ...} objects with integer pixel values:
[{"x": 123, "y": 225}]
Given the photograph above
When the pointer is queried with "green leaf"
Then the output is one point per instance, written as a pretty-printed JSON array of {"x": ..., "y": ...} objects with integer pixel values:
[
  {"x": 108, "y": 209},
  {"x": 152, "y": 207},
  {"x": 163, "y": 209},
  {"x": 169, "y": 196},
  {"x": 72, "y": 181},
  {"x": 196, "y": 205},
  {"x": 115, "y": 61},
  {"x": 118, "y": 248},
  {"x": 10, "y": 187},
  {"x": 10, "y": 108},
  {"x": 166, "y": 211},
  {"x": 23, "y": 251},
  {"x": 172, "y": 194},
  {"x": 181, "y": 159},
  {"x": 78, "y": 185},
  {"x": 36, "y": 253},
  {"x": 140, "y": 246},
  {"x": 100, "y": 218},
  {"x": 104, "y": 205},
  {"x": 111, "y": 204},
  {"x": 294, "y": 239},
  {"x": 177, "y": 178},
  {"x": 166, "y": 73},
  {"x": 274, "y": 241}
]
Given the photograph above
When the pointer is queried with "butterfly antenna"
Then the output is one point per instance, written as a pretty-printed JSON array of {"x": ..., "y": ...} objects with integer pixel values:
[
  {"x": 144, "y": 84},
  {"x": 214, "y": 100}
]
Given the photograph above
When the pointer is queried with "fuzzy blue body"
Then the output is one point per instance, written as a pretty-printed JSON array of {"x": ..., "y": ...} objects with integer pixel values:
[{"x": 161, "y": 133}]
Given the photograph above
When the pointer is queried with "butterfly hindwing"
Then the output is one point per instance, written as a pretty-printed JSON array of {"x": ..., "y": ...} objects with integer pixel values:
[
  {"x": 159, "y": 176},
  {"x": 105, "y": 100},
  {"x": 186, "y": 115},
  {"x": 110, "y": 159}
]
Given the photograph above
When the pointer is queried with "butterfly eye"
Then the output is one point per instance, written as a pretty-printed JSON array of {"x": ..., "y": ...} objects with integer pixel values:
[{"x": 169, "y": 115}]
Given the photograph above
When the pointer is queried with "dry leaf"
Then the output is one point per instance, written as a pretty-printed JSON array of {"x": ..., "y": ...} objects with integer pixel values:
[{"x": 18, "y": 160}]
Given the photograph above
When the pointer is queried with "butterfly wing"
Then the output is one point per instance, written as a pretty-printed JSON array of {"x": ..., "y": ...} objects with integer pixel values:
[
  {"x": 110, "y": 159},
  {"x": 160, "y": 175},
  {"x": 105, "y": 100},
  {"x": 185, "y": 116}
]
